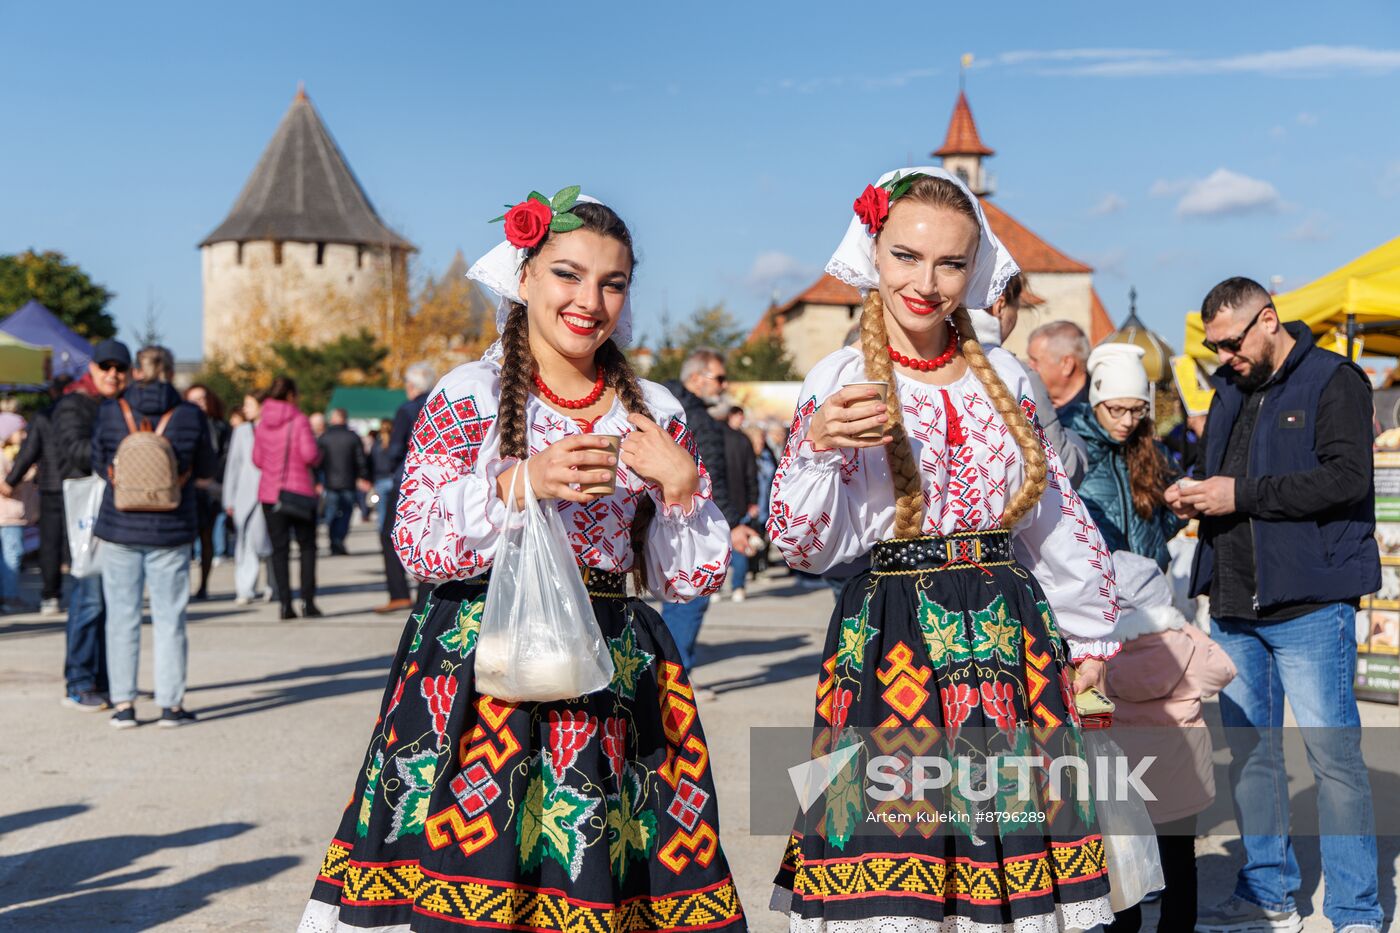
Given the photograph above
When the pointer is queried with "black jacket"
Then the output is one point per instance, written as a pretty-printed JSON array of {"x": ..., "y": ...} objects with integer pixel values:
[
  {"x": 741, "y": 467},
  {"x": 188, "y": 433},
  {"x": 342, "y": 457},
  {"x": 72, "y": 422},
  {"x": 404, "y": 420},
  {"x": 709, "y": 445},
  {"x": 380, "y": 465},
  {"x": 1299, "y": 449},
  {"x": 39, "y": 447}
]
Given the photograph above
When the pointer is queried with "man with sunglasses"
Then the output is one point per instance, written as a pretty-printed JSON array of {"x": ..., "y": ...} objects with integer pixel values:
[
  {"x": 701, "y": 387},
  {"x": 1287, "y": 548},
  {"x": 85, "y": 663}
]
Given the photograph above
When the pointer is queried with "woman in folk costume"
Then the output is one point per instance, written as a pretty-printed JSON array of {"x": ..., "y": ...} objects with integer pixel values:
[
  {"x": 599, "y": 813},
  {"x": 982, "y": 561}
]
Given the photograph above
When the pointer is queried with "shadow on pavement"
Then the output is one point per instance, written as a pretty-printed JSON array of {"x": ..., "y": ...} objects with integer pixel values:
[
  {"x": 142, "y": 908},
  {"x": 325, "y": 684},
  {"x": 714, "y": 653},
  {"x": 32, "y": 628},
  {"x": 79, "y": 866},
  {"x": 16, "y": 821},
  {"x": 805, "y": 665},
  {"x": 380, "y": 663}
]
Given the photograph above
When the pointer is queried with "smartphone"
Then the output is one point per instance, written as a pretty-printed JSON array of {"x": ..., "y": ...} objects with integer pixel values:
[{"x": 1092, "y": 702}]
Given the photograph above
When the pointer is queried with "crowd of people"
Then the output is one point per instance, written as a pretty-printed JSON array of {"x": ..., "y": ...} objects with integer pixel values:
[
  {"x": 250, "y": 485},
  {"x": 987, "y": 527}
]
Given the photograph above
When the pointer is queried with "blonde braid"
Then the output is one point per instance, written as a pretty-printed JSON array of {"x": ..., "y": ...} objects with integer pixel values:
[
  {"x": 908, "y": 484},
  {"x": 1033, "y": 463}
]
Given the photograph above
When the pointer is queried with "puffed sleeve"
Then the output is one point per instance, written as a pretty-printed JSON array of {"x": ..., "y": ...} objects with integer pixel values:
[
  {"x": 687, "y": 552},
  {"x": 1059, "y": 543},
  {"x": 449, "y": 515},
  {"x": 824, "y": 509}
]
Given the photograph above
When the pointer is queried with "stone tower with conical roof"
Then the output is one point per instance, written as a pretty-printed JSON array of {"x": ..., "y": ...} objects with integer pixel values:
[{"x": 303, "y": 255}]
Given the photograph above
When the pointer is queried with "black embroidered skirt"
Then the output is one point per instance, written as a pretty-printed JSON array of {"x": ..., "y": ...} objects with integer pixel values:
[
  {"x": 945, "y": 647},
  {"x": 473, "y": 814}
]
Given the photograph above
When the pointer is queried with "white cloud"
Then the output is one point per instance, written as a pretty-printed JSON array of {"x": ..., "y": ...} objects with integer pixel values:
[
  {"x": 815, "y": 85},
  {"x": 1027, "y": 56},
  {"x": 1277, "y": 132},
  {"x": 1112, "y": 262},
  {"x": 1302, "y": 61},
  {"x": 1168, "y": 187},
  {"x": 776, "y": 271},
  {"x": 1312, "y": 230},
  {"x": 1111, "y": 203},
  {"x": 1307, "y": 119},
  {"x": 1390, "y": 180},
  {"x": 1226, "y": 192}
]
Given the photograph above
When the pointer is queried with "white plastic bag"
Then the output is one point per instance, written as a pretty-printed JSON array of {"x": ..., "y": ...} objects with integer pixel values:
[
  {"x": 539, "y": 638},
  {"x": 1129, "y": 838},
  {"x": 82, "y": 500}
]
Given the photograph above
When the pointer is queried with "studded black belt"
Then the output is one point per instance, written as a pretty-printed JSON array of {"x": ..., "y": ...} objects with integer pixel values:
[
  {"x": 971, "y": 549},
  {"x": 604, "y": 584}
]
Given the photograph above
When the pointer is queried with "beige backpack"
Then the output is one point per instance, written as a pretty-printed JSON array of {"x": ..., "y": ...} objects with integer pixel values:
[{"x": 145, "y": 475}]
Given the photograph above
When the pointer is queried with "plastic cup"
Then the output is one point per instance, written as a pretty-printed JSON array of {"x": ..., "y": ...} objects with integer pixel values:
[
  {"x": 874, "y": 434},
  {"x": 608, "y": 488}
]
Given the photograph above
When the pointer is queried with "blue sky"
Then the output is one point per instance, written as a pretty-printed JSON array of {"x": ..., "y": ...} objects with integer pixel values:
[{"x": 1168, "y": 148}]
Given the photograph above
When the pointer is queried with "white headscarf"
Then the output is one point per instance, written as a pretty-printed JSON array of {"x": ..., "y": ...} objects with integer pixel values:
[
  {"x": 854, "y": 260},
  {"x": 499, "y": 271}
]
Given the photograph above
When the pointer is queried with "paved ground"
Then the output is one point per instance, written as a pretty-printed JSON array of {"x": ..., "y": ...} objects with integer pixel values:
[{"x": 222, "y": 826}]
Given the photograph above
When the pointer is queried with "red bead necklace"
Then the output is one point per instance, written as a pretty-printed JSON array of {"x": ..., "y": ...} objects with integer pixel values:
[
  {"x": 939, "y": 361},
  {"x": 584, "y": 402}
]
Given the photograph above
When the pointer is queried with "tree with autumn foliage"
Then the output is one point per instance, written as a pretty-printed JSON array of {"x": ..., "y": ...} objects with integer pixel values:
[
  {"x": 762, "y": 359},
  {"x": 449, "y": 321},
  {"x": 59, "y": 285}
]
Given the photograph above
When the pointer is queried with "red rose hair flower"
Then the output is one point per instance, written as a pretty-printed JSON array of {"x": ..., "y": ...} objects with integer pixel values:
[
  {"x": 527, "y": 223},
  {"x": 872, "y": 207}
]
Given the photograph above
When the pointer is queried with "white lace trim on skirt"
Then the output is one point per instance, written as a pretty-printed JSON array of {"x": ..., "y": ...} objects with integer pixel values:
[
  {"x": 320, "y": 917},
  {"x": 1080, "y": 915}
]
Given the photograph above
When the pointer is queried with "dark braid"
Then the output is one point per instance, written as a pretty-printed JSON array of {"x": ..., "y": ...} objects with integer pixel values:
[
  {"x": 517, "y": 366},
  {"x": 624, "y": 381}
]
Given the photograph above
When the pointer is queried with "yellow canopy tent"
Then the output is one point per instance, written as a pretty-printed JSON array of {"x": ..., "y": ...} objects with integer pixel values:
[
  {"x": 1367, "y": 290},
  {"x": 22, "y": 364}
]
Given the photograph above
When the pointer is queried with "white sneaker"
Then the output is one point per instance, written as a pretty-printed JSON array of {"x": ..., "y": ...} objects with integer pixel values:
[
  {"x": 50, "y": 607},
  {"x": 738, "y": 596},
  {"x": 1237, "y": 915},
  {"x": 243, "y": 601}
]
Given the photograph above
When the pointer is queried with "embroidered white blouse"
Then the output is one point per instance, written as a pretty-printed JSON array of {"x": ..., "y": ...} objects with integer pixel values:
[
  {"x": 450, "y": 513},
  {"x": 830, "y": 507}
]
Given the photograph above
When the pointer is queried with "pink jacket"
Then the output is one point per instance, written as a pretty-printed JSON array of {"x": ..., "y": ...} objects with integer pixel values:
[
  {"x": 21, "y": 508},
  {"x": 1166, "y": 667},
  {"x": 285, "y": 450}
]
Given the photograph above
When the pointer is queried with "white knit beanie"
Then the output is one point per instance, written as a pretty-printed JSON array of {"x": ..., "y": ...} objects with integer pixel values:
[{"x": 1115, "y": 371}]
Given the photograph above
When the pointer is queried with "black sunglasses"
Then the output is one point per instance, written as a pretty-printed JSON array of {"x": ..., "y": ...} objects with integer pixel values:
[
  {"x": 1233, "y": 344},
  {"x": 108, "y": 366}
]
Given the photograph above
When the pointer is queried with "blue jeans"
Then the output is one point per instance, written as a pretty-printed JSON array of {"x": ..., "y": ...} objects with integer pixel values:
[
  {"x": 340, "y": 509},
  {"x": 11, "y": 555},
  {"x": 1312, "y": 661},
  {"x": 126, "y": 571},
  {"x": 683, "y": 619},
  {"x": 85, "y": 655},
  {"x": 382, "y": 487},
  {"x": 223, "y": 540},
  {"x": 738, "y": 568}
]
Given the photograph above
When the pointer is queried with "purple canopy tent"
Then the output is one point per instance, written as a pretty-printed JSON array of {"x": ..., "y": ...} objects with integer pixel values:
[{"x": 36, "y": 324}]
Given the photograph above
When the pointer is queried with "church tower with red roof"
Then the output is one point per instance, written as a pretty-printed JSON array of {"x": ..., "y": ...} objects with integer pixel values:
[{"x": 825, "y": 315}]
